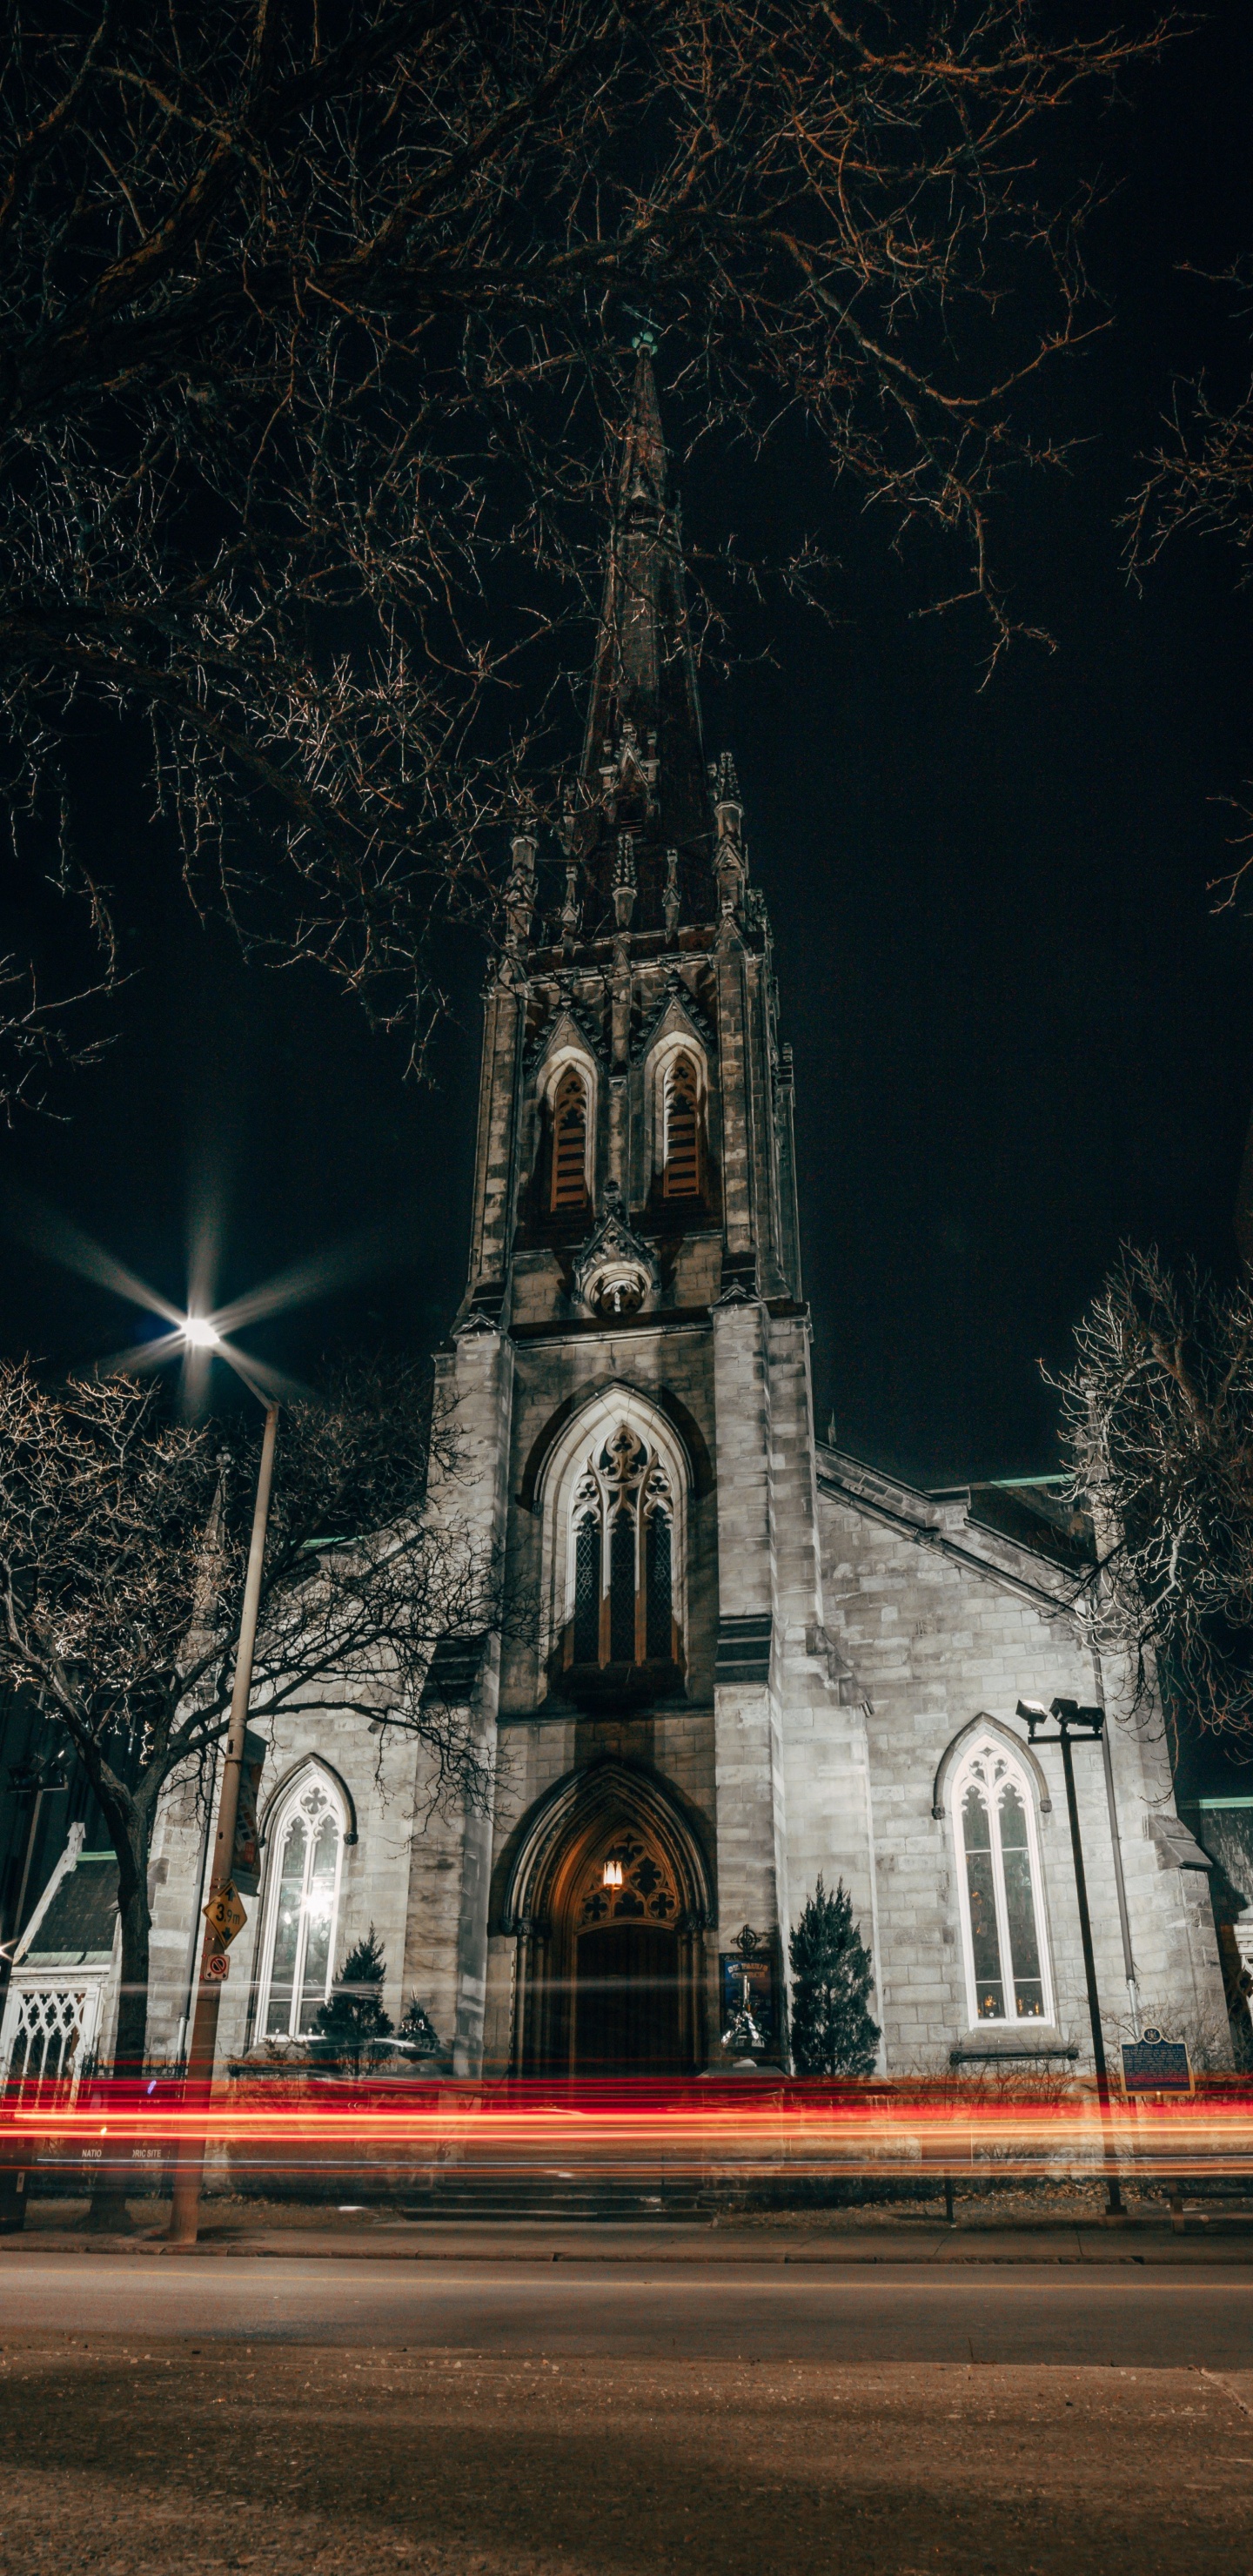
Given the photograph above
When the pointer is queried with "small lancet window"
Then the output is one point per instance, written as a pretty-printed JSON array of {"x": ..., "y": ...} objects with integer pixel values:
[
  {"x": 587, "y": 1589},
  {"x": 1001, "y": 1891},
  {"x": 622, "y": 1585},
  {"x": 659, "y": 1586},
  {"x": 681, "y": 1175},
  {"x": 569, "y": 1142}
]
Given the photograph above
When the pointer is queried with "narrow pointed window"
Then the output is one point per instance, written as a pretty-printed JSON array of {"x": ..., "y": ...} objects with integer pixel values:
[
  {"x": 681, "y": 1175},
  {"x": 622, "y": 1586},
  {"x": 569, "y": 1166},
  {"x": 1007, "y": 1975},
  {"x": 659, "y": 1639},
  {"x": 985, "y": 1938},
  {"x": 587, "y": 1589},
  {"x": 301, "y": 1907}
]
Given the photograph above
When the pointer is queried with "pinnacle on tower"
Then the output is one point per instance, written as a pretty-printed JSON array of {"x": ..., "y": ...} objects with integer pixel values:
[{"x": 643, "y": 769}]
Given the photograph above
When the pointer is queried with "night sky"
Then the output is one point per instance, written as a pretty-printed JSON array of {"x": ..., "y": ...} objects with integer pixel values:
[{"x": 1021, "y": 1033}]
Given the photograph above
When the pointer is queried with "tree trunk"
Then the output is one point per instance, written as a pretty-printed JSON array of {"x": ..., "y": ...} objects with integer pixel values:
[{"x": 108, "y": 2198}]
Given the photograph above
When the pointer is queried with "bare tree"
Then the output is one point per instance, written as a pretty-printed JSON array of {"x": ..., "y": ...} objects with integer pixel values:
[
  {"x": 42, "y": 1033},
  {"x": 1201, "y": 479},
  {"x": 123, "y": 1537},
  {"x": 1158, "y": 1424},
  {"x": 313, "y": 320}
]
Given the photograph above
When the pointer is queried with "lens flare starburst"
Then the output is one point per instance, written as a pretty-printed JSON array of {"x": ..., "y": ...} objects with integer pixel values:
[{"x": 201, "y": 1333}]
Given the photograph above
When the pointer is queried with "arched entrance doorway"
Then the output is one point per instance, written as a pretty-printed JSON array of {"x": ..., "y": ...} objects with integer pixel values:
[
  {"x": 607, "y": 1896},
  {"x": 626, "y": 1961}
]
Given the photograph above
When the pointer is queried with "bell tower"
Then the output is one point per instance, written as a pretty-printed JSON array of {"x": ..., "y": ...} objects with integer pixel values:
[
  {"x": 635, "y": 1142},
  {"x": 629, "y": 1370}
]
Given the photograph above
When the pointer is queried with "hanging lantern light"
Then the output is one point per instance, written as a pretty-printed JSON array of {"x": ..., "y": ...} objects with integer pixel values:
[{"x": 611, "y": 1875}]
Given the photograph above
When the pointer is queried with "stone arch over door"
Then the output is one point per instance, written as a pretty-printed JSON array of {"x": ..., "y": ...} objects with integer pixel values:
[{"x": 610, "y": 1978}]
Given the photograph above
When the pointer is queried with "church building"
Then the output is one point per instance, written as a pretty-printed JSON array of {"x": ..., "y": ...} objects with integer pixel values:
[{"x": 740, "y": 1660}]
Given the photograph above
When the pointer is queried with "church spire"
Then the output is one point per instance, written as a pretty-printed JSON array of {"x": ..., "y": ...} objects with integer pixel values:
[{"x": 643, "y": 777}]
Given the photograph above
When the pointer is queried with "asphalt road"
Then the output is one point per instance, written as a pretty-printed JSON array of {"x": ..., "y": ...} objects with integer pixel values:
[{"x": 1120, "y": 2316}]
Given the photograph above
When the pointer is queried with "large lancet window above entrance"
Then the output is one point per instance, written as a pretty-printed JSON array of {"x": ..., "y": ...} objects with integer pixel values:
[
  {"x": 301, "y": 1910},
  {"x": 621, "y": 1589},
  {"x": 568, "y": 1166},
  {"x": 994, "y": 1820}
]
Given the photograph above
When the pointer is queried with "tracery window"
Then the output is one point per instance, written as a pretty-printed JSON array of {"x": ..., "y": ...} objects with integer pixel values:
[
  {"x": 999, "y": 1868},
  {"x": 622, "y": 1557},
  {"x": 568, "y": 1184},
  {"x": 302, "y": 1907},
  {"x": 681, "y": 1173}
]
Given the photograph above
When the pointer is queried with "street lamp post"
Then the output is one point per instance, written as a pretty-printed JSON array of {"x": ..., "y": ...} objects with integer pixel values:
[
  {"x": 1088, "y": 1725},
  {"x": 202, "y": 2050}
]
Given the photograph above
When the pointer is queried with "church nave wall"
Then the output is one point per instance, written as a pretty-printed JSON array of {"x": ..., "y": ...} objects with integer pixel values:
[{"x": 933, "y": 1644}]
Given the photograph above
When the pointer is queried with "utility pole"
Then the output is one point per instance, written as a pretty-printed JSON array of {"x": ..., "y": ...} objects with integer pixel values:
[
  {"x": 189, "y": 2170},
  {"x": 1088, "y": 1725}
]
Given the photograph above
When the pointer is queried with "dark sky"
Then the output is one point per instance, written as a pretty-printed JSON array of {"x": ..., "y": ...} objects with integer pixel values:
[{"x": 1021, "y": 1034}]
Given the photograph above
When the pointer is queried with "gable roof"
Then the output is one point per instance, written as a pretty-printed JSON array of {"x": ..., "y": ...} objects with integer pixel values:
[
  {"x": 73, "y": 1923},
  {"x": 1028, "y": 1551}
]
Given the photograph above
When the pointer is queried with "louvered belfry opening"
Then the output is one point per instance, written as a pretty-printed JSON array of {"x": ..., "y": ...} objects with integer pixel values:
[
  {"x": 681, "y": 1174},
  {"x": 569, "y": 1165}
]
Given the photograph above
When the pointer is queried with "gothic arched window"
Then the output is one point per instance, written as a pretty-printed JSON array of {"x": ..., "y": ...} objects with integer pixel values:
[
  {"x": 622, "y": 1520},
  {"x": 568, "y": 1184},
  {"x": 306, "y": 1843},
  {"x": 999, "y": 1869},
  {"x": 681, "y": 1173}
]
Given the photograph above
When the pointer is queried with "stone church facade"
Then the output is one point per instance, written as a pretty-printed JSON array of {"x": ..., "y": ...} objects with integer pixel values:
[{"x": 746, "y": 1660}]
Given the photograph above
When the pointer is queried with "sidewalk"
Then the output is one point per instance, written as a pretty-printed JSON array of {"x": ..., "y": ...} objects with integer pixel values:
[{"x": 838, "y": 2237}]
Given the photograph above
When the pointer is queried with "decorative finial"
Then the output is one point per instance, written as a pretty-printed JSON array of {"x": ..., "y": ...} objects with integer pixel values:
[
  {"x": 570, "y": 908},
  {"x": 730, "y": 856},
  {"x": 624, "y": 881},
  {"x": 670, "y": 903},
  {"x": 520, "y": 891},
  {"x": 727, "y": 805}
]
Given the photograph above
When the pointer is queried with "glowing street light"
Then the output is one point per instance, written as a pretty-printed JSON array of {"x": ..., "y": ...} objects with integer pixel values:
[{"x": 201, "y": 1334}]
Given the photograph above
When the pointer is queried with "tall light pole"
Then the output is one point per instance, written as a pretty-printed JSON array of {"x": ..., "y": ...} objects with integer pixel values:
[
  {"x": 202, "y": 2050},
  {"x": 1088, "y": 1725}
]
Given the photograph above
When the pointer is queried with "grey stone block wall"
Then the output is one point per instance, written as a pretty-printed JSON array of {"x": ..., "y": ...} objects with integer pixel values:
[{"x": 935, "y": 1642}]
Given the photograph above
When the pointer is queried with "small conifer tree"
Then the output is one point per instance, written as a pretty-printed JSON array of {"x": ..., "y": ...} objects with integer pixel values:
[
  {"x": 354, "y": 2017},
  {"x": 417, "y": 2030},
  {"x": 832, "y": 2031}
]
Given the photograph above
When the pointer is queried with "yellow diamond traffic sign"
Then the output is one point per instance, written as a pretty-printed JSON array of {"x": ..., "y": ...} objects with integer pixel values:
[{"x": 225, "y": 1912}]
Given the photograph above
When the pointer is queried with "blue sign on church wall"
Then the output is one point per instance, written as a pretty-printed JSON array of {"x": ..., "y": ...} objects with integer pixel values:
[{"x": 1156, "y": 2065}]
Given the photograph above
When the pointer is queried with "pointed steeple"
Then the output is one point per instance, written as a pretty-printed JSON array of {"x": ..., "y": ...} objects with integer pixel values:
[{"x": 643, "y": 775}]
